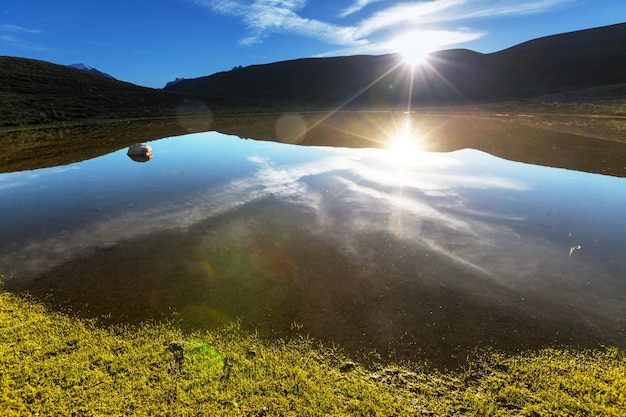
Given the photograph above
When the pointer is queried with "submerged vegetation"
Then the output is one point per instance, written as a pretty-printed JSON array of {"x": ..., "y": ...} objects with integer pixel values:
[{"x": 52, "y": 364}]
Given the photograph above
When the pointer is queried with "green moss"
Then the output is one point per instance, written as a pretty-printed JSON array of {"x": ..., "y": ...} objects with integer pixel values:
[{"x": 52, "y": 364}]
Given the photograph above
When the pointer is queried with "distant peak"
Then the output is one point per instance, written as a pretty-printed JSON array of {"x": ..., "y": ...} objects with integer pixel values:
[
  {"x": 85, "y": 67},
  {"x": 82, "y": 67}
]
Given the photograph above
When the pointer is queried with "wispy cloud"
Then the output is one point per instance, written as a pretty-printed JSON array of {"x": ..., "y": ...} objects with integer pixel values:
[
  {"x": 264, "y": 17},
  {"x": 15, "y": 28},
  {"x": 429, "y": 14},
  {"x": 411, "y": 14},
  {"x": 357, "y": 6},
  {"x": 376, "y": 32},
  {"x": 10, "y": 37}
]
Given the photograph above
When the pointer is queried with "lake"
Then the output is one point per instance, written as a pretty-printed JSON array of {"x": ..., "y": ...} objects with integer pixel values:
[{"x": 474, "y": 235}]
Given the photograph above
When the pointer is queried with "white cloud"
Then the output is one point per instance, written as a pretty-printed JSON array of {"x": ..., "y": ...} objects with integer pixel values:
[
  {"x": 356, "y": 7},
  {"x": 445, "y": 12},
  {"x": 276, "y": 20},
  {"x": 376, "y": 32},
  {"x": 9, "y": 39},
  {"x": 264, "y": 17},
  {"x": 408, "y": 14},
  {"x": 15, "y": 28}
]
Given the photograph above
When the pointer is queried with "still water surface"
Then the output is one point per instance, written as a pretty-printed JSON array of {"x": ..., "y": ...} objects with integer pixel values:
[{"x": 421, "y": 258}]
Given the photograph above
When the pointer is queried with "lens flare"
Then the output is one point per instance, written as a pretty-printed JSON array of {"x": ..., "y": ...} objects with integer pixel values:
[{"x": 207, "y": 269}]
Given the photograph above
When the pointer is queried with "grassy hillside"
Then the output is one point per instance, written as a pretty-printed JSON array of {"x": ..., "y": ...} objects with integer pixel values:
[{"x": 37, "y": 92}]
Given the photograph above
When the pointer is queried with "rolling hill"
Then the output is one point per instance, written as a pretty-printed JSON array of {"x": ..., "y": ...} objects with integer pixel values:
[
  {"x": 37, "y": 92},
  {"x": 564, "y": 62}
]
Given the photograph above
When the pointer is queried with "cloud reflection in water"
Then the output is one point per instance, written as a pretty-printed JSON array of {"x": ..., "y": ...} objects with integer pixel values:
[
  {"x": 425, "y": 203},
  {"x": 336, "y": 231}
]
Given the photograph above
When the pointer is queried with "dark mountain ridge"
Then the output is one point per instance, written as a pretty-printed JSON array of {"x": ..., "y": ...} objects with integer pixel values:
[
  {"x": 569, "y": 61},
  {"x": 38, "y": 92}
]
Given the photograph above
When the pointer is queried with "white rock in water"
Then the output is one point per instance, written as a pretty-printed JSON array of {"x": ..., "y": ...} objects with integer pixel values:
[{"x": 139, "y": 149}]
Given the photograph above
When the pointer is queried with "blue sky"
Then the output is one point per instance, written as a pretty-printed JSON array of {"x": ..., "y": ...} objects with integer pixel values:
[{"x": 150, "y": 42}]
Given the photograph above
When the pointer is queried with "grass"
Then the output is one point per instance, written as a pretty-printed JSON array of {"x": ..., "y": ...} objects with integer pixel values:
[{"x": 52, "y": 364}]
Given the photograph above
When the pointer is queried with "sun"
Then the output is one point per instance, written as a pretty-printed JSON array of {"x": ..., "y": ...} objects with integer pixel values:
[
  {"x": 414, "y": 47},
  {"x": 414, "y": 57}
]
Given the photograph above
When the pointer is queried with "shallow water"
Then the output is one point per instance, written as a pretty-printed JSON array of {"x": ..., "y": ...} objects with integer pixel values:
[{"x": 421, "y": 258}]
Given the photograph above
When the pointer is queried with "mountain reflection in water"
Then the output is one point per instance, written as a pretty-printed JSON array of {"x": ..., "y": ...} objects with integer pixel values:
[{"x": 422, "y": 260}]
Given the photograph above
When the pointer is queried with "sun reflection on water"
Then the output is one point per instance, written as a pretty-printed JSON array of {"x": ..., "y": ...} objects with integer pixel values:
[{"x": 405, "y": 144}]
